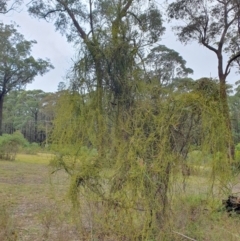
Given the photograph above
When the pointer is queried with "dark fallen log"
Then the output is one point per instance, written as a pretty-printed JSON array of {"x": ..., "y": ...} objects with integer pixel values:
[{"x": 232, "y": 204}]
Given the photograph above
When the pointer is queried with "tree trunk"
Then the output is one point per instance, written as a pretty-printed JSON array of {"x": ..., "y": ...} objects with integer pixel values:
[
  {"x": 35, "y": 127},
  {"x": 226, "y": 115},
  {"x": 99, "y": 105},
  {"x": 1, "y": 113}
]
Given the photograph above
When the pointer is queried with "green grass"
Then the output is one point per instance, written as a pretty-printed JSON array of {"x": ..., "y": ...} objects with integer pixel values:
[
  {"x": 40, "y": 158},
  {"x": 35, "y": 204},
  {"x": 33, "y": 197}
]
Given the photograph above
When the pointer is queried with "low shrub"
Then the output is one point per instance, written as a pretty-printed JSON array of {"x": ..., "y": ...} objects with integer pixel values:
[
  {"x": 11, "y": 144},
  {"x": 32, "y": 148}
]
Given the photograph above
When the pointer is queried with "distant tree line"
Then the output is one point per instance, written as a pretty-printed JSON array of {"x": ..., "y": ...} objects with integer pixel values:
[{"x": 31, "y": 112}]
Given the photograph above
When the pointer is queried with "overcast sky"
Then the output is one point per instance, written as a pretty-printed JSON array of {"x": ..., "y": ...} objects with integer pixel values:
[{"x": 52, "y": 45}]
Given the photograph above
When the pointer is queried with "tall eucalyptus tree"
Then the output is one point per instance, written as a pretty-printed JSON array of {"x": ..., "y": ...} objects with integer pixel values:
[
  {"x": 112, "y": 34},
  {"x": 17, "y": 66},
  {"x": 165, "y": 65},
  {"x": 214, "y": 24}
]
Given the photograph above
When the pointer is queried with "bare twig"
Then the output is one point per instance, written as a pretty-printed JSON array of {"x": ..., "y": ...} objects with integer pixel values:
[{"x": 184, "y": 236}]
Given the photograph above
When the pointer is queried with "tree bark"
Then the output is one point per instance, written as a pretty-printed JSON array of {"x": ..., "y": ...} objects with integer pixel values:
[
  {"x": 36, "y": 127},
  {"x": 1, "y": 113},
  {"x": 224, "y": 101},
  {"x": 226, "y": 116}
]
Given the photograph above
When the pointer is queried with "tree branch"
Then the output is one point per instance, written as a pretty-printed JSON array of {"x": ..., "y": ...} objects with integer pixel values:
[
  {"x": 53, "y": 11},
  {"x": 11, "y": 8},
  {"x": 221, "y": 42},
  {"x": 115, "y": 23},
  {"x": 220, "y": 1},
  {"x": 125, "y": 8},
  {"x": 91, "y": 17},
  {"x": 209, "y": 46},
  {"x": 75, "y": 22},
  {"x": 205, "y": 28},
  {"x": 227, "y": 69},
  {"x": 134, "y": 15}
]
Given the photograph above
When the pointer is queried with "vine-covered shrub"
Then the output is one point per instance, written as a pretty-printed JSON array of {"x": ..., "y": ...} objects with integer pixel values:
[
  {"x": 124, "y": 162},
  {"x": 11, "y": 144}
]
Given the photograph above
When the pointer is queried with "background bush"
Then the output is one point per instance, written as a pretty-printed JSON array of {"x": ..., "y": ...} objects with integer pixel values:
[
  {"x": 32, "y": 148},
  {"x": 11, "y": 144}
]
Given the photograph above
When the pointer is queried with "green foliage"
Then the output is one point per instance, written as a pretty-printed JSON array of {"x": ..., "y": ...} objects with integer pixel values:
[
  {"x": 17, "y": 66},
  {"x": 214, "y": 25},
  {"x": 31, "y": 148},
  {"x": 238, "y": 151},
  {"x": 166, "y": 64},
  {"x": 128, "y": 166},
  {"x": 234, "y": 105},
  {"x": 31, "y": 112},
  {"x": 20, "y": 67},
  {"x": 11, "y": 144},
  {"x": 120, "y": 133},
  {"x": 197, "y": 157},
  {"x": 211, "y": 15},
  {"x": 237, "y": 157}
]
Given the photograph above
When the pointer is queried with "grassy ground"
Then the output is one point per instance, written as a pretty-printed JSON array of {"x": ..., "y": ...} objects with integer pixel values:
[
  {"x": 34, "y": 207},
  {"x": 34, "y": 200}
]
